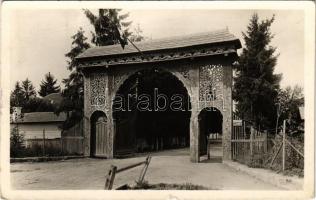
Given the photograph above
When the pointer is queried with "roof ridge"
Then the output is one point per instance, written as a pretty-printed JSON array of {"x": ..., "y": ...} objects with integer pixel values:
[
  {"x": 218, "y": 31},
  {"x": 164, "y": 43}
]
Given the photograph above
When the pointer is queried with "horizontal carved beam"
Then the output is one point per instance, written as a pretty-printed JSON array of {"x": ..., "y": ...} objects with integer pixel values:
[{"x": 157, "y": 57}]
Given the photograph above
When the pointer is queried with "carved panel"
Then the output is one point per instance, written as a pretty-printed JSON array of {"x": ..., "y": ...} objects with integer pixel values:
[
  {"x": 184, "y": 71},
  {"x": 97, "y": 89},
  {"x": 118, "y": 80},
  {"x": 211, "y": 83}
]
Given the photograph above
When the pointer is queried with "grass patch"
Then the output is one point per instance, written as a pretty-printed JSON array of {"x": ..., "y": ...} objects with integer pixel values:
[{"x": 165, "y": 186}]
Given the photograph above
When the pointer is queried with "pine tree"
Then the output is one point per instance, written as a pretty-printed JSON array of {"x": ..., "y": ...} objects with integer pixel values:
[
  {"x": 24, "y": 96},
  {"x": 109, "y": 27},
  {"x": 28, "y": 90},
  {"x": 73, "y": 92},
  {"x": 48, "y": 85},
  {"x": 137, "y": 35},
  {"x": 16, "y": 96},
  {"x": 255, "y": 84},
  {"x": 79, "y": 45}
]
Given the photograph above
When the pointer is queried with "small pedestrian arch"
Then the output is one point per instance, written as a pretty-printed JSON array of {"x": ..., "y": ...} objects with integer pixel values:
[
  {"x": 99, "y": 134},
  {"x": 210, "y": 126}
]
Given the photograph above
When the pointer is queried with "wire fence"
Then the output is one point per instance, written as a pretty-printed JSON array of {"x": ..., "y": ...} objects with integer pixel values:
[{"x": 265, "y": 149}]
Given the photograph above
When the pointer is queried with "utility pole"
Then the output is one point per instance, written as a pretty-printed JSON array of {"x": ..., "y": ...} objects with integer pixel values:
[{"x": 278, "y": 115}]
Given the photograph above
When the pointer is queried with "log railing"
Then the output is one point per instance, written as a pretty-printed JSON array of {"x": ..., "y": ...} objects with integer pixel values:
[{"x": 114, "y": 170}]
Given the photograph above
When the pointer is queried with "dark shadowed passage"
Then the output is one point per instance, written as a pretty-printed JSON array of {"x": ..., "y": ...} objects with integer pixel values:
[
  {"x": 151, "y": 112},
  {"x": 211, "y": 129}
]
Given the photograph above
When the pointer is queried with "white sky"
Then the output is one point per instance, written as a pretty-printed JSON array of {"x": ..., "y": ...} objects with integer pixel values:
[{"x": 41, "y": 38}]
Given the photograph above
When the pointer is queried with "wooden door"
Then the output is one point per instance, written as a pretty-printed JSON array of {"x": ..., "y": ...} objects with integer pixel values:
[{"x": 100, "y": 137}]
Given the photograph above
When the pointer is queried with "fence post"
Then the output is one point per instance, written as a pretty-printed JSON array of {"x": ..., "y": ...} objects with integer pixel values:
[
  {"x": 110, "y": 178},
  {"x": 144, "y": 170},
  {"x": 283, "y": 148},
  {"x": 265, "y": 144},
  {"x": 61, "y": 144},
  {"x": 251, "y": 140},
  {"x": 44, "y": 142}
]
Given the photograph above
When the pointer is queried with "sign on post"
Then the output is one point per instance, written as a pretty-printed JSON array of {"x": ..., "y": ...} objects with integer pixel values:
[{"x": 237, "y": 122}]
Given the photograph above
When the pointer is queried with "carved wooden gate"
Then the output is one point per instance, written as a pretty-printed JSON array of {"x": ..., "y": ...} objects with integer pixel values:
[{"x": 100, "y": 137}]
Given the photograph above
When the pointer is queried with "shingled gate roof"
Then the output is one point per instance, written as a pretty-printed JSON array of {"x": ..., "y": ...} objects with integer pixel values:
[{"x": 219, "y": 36}]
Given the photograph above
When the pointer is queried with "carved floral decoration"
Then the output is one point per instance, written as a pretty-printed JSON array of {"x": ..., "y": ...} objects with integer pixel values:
[
  {"x": 211, "y": 82},
  {"x": 97, "y": 89}
]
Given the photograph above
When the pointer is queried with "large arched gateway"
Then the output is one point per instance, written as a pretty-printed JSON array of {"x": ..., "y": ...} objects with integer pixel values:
[
  {"x": 151, "y": 111},
  {"x": 197, "y": 66}
]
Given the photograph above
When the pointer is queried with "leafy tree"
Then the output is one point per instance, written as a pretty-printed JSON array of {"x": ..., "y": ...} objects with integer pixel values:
[
  {"x": 28, "y": 90},
  {"x": 255, "y": 84},
  {"x": 16, "y": 97},
  {"x": 48, "y": 85},
  {"x": 109, "y": 27},
  {"x": 38, "y": 105},
  {"x": 288, "y": 101}
]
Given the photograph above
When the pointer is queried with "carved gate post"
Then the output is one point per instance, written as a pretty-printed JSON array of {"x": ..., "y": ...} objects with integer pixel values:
[
  {"x": 194, "y": 138},
  {"x": 111, "y": 124},
  {"x": 227, "y": 111},
  {"x": 86, "y": 117},
  {"x": 194, "y": 122}
]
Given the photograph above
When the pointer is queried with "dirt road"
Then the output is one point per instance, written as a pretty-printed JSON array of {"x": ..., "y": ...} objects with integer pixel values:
[{"x": 166, "y": 167}]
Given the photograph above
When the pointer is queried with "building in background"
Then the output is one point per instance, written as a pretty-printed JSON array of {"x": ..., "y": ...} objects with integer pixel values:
[{"x": 32, "y": 125}]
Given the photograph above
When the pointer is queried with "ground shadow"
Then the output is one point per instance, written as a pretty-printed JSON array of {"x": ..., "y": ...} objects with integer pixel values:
[
  {"x": 213, "y": 159},
  {"x": 167, "y": 152}
]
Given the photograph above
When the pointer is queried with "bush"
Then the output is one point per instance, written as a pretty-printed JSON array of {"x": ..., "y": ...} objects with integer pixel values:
[
  {"x": 256, "y": 161},
  {"x": 164, "y": 186},
  {"x": 35, "y": 151},
  {"x": 16, "y": 143},
  {"x": 18, "y": 149},
  {"x": 294, "y": 163}
]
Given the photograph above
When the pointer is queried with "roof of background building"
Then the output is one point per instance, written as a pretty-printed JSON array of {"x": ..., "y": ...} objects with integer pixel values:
[
  {"x": 219, "y": 36},
  {"x": 54, "y": 98},
  {"x": 41, "y": 117}
]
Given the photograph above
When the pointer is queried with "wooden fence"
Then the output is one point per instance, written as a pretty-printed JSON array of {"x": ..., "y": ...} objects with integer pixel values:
[
  {"x": 43, "y": 147},
  {"x": 49, "y": 143},
  {"x": 260, "y": 149},
  {"x": 248, "y": 144},
  {"x": 72, "y": 140},
  {"x": 70, "y": 143}
]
